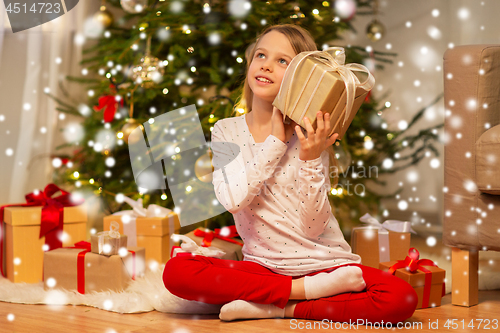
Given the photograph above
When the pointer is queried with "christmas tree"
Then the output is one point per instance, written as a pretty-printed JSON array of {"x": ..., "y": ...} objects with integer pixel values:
[{"x": 151, "y": 57}]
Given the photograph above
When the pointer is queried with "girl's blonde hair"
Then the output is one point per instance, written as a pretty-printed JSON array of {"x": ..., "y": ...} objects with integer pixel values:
[{"x": 300, "y": 40}]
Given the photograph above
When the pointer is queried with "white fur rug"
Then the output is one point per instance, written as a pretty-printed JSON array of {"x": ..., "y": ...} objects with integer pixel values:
[
  {"x": 148, "y": 293},
  {"x": 142, "y": 295}
]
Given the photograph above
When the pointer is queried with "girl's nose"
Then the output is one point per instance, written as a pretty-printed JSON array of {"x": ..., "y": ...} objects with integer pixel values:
[{"x": 266, "y": 67}]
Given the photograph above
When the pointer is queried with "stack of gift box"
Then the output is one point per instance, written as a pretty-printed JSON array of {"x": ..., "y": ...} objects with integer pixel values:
[
  {"x": 43, "y": 242},
  {"x": 151, "y": 232},
  {"x": 387, "y": 246},
  {"x": 42, "y": 239},
  {"x": 104, "y": 264}
]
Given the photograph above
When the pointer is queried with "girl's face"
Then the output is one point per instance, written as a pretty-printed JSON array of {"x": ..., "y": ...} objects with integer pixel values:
[{"x": 270, "y": 60}]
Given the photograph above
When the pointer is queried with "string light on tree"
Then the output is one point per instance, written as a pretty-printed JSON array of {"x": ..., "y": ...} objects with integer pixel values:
[{"x": 206, "y": 8}]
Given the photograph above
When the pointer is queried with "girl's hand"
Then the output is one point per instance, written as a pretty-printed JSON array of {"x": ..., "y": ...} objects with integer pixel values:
[
  {"x": 312, "y": 146},
  {"x": 279, "y": 129}
]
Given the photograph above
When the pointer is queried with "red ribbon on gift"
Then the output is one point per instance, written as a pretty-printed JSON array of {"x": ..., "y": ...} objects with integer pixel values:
[
  {"x": 412, "y": 263},
  {"x": 210, "y": 235},
  {"x": 133, "y": 264},
  {"x": 180, "y": 254},
  {"x": 51, "y": 225},
  {"x": 80, "y": 264}
]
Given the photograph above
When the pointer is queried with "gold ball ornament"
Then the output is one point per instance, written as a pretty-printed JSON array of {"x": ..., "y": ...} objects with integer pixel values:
[
  {"x": 127, "y": 129},
  {"x": 104, "y": 17},
  {"x": 149, "y": 71},
  {"x": 204, "y": 168},
  {"x": 375, "y": 30}
]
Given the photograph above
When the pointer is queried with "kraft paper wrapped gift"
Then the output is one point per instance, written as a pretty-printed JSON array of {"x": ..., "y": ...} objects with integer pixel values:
[
  {"x": 24, "y": 248},
  {"x": 378, "y": 242},
  {"x": 84, "y": 271},
  {"x": 320, "y": 81},
  {"x": 149, "y": 228},
  {"x": 220, "y": 239},
  {"x": 110, "y": 242},
  {"x": 422, "y": 274}
]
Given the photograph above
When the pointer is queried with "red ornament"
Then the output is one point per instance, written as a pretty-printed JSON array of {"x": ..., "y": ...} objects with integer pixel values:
[{"x": 109, "y": 103}]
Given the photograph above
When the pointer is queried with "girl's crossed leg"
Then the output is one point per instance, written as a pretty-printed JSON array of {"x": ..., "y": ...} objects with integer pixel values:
[{"x": 218, "y": 281}]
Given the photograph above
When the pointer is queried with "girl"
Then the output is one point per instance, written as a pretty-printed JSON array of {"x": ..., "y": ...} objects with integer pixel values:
[{"x": 275, "y": 182}]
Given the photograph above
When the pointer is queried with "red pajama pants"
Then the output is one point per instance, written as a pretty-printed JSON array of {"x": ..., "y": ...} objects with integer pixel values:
[{"x": 219, "y": 281}]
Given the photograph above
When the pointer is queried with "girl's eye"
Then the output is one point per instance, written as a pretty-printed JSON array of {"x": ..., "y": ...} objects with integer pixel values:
[{"x": 281, "y": 61}]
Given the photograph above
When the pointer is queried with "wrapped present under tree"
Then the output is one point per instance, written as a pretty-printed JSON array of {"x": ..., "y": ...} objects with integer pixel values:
[
  {"x": 44, "y": 222},
  {"x": 77, "y": 268},
  {"x": 422, "y": 274},
  {"x": 211, "y": 243},
  {"x": 380, "y": 242}
]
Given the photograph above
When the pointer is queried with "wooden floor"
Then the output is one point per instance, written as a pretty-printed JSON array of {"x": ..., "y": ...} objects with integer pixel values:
[
  {"x": 43, "y": 318},
  {"x": 81, "y": 319}
]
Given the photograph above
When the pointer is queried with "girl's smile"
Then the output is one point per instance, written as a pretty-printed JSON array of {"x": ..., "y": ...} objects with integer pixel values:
[{"x": 263, "y": 80}]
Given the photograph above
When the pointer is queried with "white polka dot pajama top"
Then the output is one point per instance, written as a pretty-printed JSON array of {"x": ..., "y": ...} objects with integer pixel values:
[{"x": 279, "y": 202}]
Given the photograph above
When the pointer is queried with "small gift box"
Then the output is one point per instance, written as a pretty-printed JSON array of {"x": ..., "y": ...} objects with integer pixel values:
[
  {"x": 44, "y": 222},
  {"x": 108, "y": 243},
  {"x": 149, "y": 228},
  {"x": 422, "y": 274},
  {"x": 320, "y": 81},
  {"x": 79, "y": 269},
  {"x": 380, "y": 242},
  {"x": 219, "y": 239}
]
